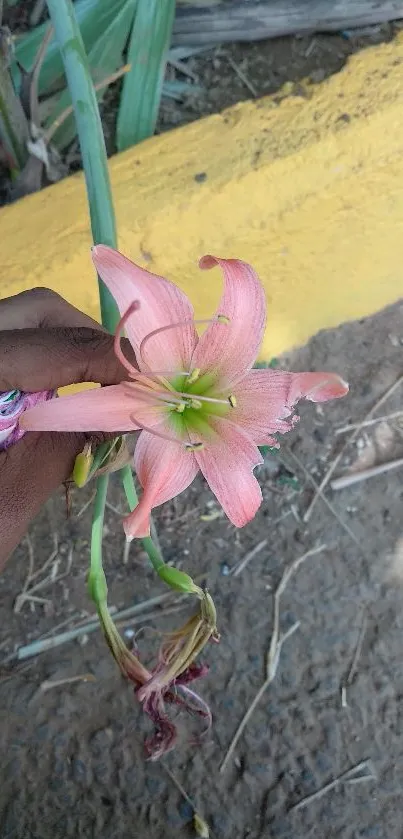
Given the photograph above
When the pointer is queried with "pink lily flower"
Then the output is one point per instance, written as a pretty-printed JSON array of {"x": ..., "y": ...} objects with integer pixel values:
[{"x": 197, "y": 400}]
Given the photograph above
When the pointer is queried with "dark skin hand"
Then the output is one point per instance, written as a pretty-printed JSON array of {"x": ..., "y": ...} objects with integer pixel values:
[{"x": 45, "y": 343}]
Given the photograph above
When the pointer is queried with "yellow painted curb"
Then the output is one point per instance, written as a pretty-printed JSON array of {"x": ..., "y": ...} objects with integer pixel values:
[{"x": 309, "y": 190}]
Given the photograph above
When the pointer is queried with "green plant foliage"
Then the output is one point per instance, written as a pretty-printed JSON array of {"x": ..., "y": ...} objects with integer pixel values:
[{"x": 142, "y": 86}]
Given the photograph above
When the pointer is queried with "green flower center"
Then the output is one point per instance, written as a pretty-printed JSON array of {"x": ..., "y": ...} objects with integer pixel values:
[{"x": 195, "y": 411}]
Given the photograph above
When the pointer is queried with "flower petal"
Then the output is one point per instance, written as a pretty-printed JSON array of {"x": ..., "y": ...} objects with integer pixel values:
[
  {"x": 98, "y": 409},
  {"x": 161, "y": 303},
  {"x": 266, "y": 399},
  {"x": 164, "y": 469},
  {"x": 232, "y": 348},
  {"x": 227, "y": 465}
]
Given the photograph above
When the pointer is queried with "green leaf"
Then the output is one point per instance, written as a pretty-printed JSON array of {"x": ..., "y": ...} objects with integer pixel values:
[
  {"x": 105, "y": 56},
  {"x": 142, "y": 86},
  {"x": 265, "y": 450},
  {"x": 14, "y": 132},
  {"x": 94, "y": 18},
  {"x": 92, "y": 143}
]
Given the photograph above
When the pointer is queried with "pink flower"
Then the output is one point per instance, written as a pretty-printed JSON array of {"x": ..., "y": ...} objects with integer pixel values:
[{"x": 198, "y": 401}]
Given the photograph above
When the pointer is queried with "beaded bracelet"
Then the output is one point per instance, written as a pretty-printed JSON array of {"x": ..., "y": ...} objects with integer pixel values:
[{"x": 13, "y": 403}]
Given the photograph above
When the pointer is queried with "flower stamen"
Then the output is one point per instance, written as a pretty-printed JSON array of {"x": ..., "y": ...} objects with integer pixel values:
[
  {"x": 190, "y": 447},
  {"x": 194, "y": 403},
  {"x": 117, "y": 344},
  {"x": 170, "y": 400},
  {"x": 189, "y": 399},
  {"x": 185, "y": 322},
  {"x": 193, "y": 376},
  {"x": 232, "y": 400},
  {"x": 153, "y": 430}
]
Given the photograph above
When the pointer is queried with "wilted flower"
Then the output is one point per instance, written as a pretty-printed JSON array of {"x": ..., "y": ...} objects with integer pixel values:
[{"x": 169, "y": 682}]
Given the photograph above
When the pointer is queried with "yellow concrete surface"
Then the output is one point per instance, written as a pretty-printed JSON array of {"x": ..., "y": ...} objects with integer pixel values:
[{"x": 308, "y": 188}]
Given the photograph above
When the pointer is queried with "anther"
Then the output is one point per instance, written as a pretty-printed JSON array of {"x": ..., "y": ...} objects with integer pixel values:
[
  {"x": 223, "y": 319},
  {"x": 232, "y": 400},
  {"x": 194, "y": 447},
  {"x": 193, "y": 376}
]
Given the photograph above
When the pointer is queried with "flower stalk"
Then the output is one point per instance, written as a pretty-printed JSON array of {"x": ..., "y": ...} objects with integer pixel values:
[{"x": 94, "y": 158}]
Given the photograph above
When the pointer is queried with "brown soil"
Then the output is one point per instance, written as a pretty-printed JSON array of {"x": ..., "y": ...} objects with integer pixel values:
[{"x": 73, "y": 756}]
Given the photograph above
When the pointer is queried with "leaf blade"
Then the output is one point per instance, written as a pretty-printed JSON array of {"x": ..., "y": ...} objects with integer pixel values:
[{"x": 142, "y": 87}]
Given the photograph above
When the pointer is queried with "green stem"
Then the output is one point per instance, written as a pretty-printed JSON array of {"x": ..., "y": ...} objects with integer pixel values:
[
  {"x": 97, "y": 586},
  {"x": 90, "y": 134},
  {"x": 131, "y": 495},
  {"x": 95, "y": 165}
]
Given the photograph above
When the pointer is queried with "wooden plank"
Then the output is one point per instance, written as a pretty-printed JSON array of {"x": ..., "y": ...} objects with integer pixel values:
[{"x": 246, "y": 20}]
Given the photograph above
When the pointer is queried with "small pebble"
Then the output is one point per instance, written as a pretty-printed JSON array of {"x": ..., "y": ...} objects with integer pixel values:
[
  {"x": 83, "y": 640},
  {"x": 224, "y": 569}
]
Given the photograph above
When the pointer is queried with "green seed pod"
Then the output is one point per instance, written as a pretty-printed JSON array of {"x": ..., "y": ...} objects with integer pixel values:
[
  {"x": 82, "y": 466},
  {"x": 178, "y": 580}
]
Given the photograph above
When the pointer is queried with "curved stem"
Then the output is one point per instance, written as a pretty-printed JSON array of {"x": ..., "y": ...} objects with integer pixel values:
[
  {"x": 131, "y": 495},
  {"x": 97, "y": 582}
]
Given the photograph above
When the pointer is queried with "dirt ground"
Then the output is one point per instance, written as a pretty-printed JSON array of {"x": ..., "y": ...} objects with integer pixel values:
[{"x": 73, "y": 755}]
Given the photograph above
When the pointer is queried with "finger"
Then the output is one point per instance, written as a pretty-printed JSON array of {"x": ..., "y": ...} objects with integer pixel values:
[
  {"x": 34, "y": 467},
  {"x": 44, "y": 359},
  {"x": 41, "y": 307}
]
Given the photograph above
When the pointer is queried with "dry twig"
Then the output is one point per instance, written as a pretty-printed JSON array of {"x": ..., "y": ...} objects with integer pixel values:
[
  {"x": 47, "y": 643},
  {"x": 325, "y": 500},
  {"x": 367, "y": 423},
  {"x": 33, "y": 93},
  {"x": 356, "y": 477},
  {"x": 242, "y": 76},
  {"x": 236, "y": 570},
  {"x": 51, "y": 131},
  {"x": 350, "y": 439},
  {"x": 58, "y": 683},
  {"x": 351, "y": 776},
  {"x": 85, "y": 506},
  {"x": 276, "y": 643},
  {"x": 354, "y": 664},
  {"x": 183, "y": 793}
]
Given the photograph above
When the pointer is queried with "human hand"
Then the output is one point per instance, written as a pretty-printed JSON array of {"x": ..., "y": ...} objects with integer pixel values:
[{"x": 45, "y": 343}]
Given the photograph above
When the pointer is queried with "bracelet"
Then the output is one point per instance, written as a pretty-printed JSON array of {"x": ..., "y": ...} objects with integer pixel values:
[{"x": 13, "y": 403}]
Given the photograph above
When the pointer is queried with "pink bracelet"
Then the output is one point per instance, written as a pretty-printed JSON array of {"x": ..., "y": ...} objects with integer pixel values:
[{"x": 13, "y": 403}]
